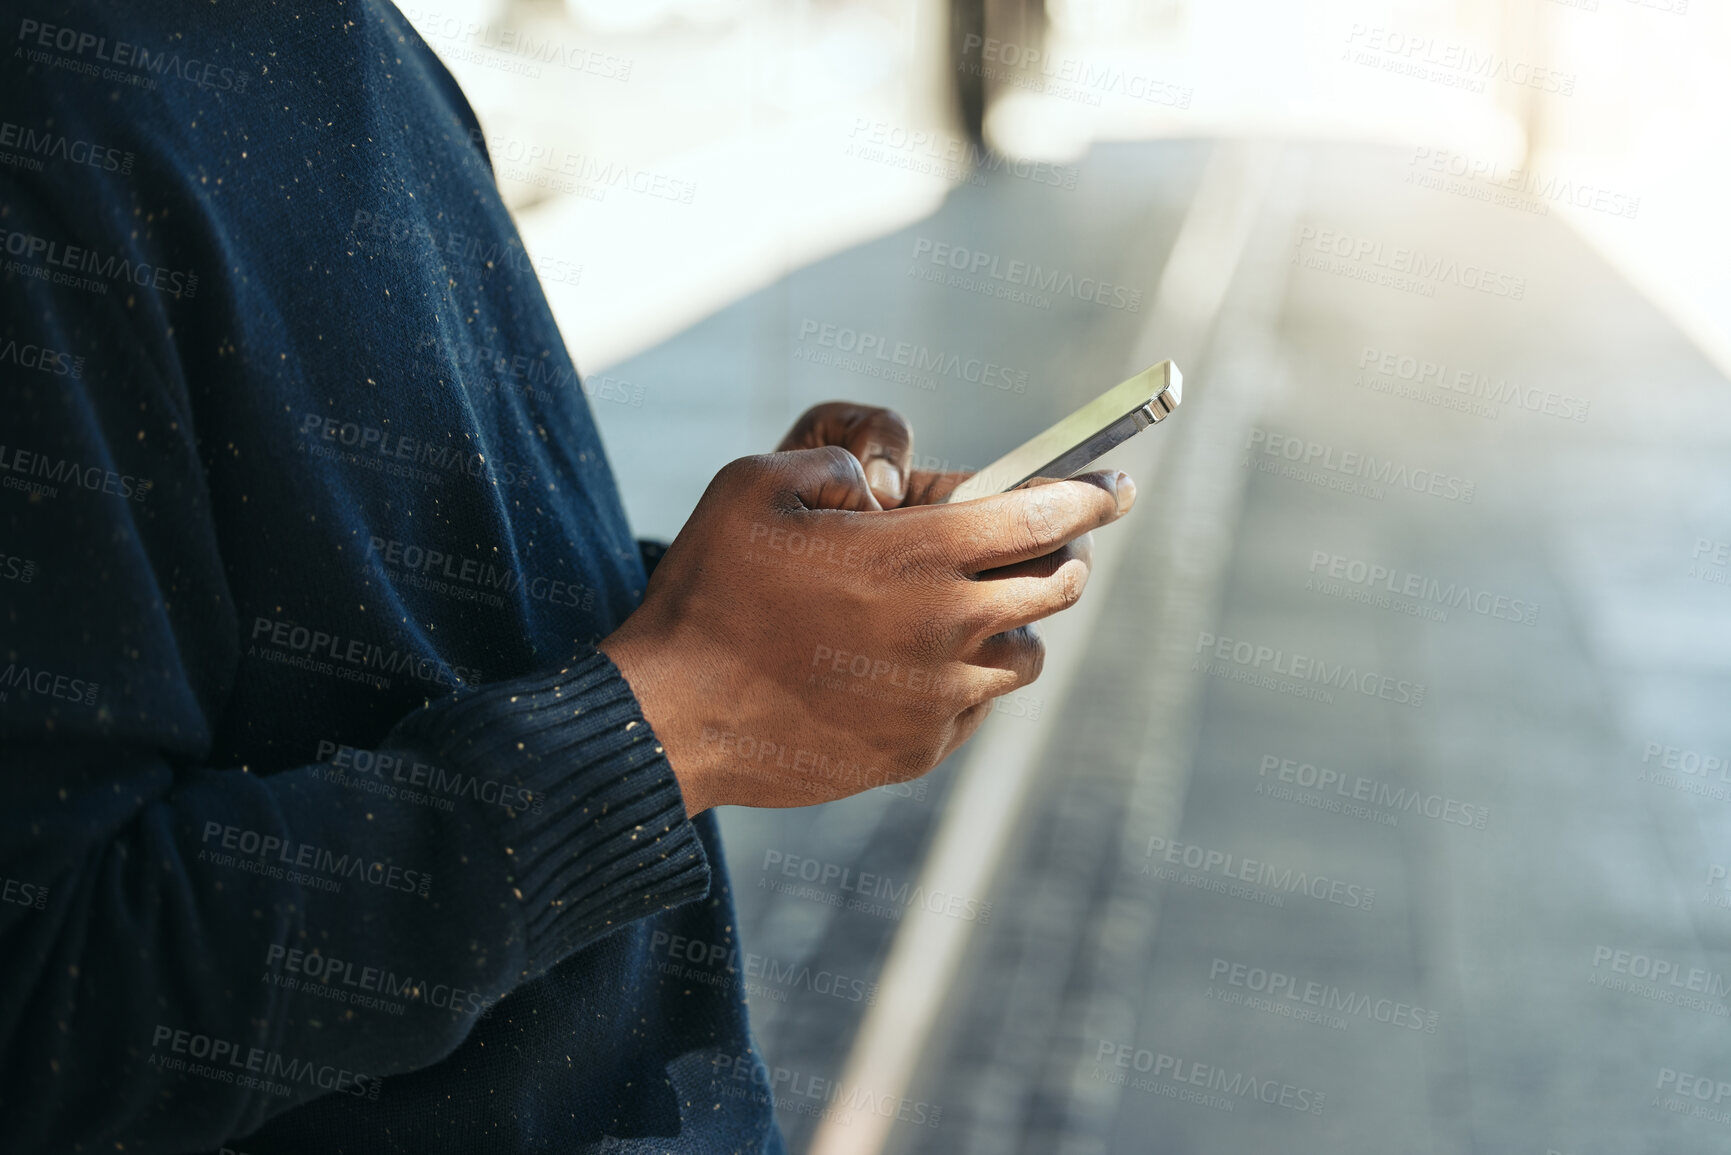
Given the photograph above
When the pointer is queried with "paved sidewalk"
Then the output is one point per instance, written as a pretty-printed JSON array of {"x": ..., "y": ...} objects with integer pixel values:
[
  {"x": 1444, "y": 866},
  {"x": 1405, "y": 920}
]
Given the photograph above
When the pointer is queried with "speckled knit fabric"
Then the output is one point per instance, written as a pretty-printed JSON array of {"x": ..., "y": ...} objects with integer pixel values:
[{"x": 325, "y": 827}]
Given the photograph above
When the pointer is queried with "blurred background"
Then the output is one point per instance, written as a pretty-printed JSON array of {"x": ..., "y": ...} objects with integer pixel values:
[{"x": 1376, "y": 797}]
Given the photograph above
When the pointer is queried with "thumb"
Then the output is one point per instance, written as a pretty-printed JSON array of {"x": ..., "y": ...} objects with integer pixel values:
[{"x": 884, "y": 444}]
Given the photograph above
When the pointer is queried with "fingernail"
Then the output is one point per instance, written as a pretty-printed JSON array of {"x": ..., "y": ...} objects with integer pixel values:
[
  {"x": 884, "y": 478},
  {"x": 1126, "y": 491}
]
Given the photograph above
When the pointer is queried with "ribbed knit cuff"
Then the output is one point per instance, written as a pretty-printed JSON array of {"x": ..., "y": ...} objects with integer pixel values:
[{"x": 609, "y": 841}]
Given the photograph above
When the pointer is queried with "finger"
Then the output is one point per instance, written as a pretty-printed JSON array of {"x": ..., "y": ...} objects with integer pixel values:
[
  {"x": 880, "y": 438},
  {"x": 927, "y": 487},
  {"x": 964, "y": 726},
  {"x": 884, "y": 443},
  {"x": 1006, "y": 528},
  {"x": 828, "y": 477},
  {"x": 825, "y": 424},
  {"x": 1081, "y": 549},
  {"x": 1010, "y": 660},
  {"x": 1025, "y": 593}
]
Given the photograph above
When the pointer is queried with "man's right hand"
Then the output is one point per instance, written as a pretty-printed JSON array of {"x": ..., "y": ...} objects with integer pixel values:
[{"x": 798, "y": 643}]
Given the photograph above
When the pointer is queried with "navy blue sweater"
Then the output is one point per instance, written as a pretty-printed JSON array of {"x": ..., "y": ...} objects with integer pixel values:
[{"x": 325, "y": 827}]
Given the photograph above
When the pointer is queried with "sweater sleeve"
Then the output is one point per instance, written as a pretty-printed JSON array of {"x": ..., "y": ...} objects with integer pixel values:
[
  {"x": 173, "y": 936},
  {"x": 183, "y": 946}
]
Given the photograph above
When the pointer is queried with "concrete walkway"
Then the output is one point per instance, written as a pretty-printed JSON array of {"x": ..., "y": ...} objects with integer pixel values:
[{"x": 1430, "y": 851}]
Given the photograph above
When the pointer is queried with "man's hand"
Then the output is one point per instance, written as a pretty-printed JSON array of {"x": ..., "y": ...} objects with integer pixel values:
[
  {"x": 797, "y": 643},
  {"x": 884, "y": 444}
]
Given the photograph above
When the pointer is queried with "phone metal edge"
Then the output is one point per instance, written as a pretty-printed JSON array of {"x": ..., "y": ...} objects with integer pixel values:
[{"x": 1084, "y": 435}]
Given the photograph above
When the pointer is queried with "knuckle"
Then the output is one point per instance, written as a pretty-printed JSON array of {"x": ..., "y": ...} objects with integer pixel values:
[
  {"x": 998, "y": 682},
  {"x": 844, "y": 468},
  {"x": 905, "y": 557},
  {"x": 744, "y": 472},
  {"x": 835, "y": 458},
  {"x": 1038, "y": 532},
  {"x": 1072, "y": 580},
  {"x": 906, "y": 765},
  {"x": 983, "y": 619},
  {"x": 992, "y": 687},
  {"x": 929, "y": 639}
]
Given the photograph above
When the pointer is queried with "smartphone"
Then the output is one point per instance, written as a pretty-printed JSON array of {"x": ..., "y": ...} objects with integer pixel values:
[{"x": 1080, "y": 439}]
